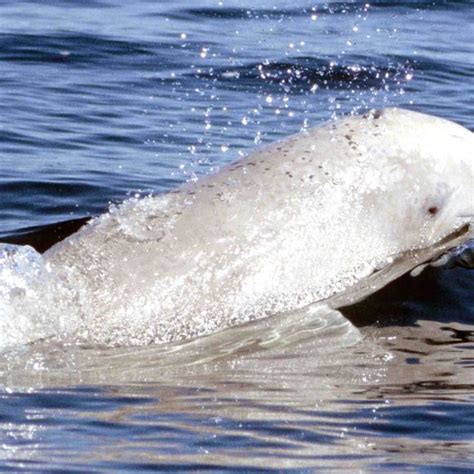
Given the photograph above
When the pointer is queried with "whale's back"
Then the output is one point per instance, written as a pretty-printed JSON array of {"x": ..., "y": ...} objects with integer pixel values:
[{"x": 296, "y": 222}]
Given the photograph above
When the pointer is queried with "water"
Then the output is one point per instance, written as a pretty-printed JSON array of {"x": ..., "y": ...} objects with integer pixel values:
[{"x": 102, "y": 101}]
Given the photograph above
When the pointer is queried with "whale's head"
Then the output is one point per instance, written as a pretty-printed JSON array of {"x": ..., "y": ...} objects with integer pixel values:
[
  {"x": 413, "y": 197},
  {"x": 428, "y": 168}
]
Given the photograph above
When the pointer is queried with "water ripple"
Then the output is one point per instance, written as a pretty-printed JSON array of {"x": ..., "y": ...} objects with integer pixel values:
[{"x": 66, "y": 48}]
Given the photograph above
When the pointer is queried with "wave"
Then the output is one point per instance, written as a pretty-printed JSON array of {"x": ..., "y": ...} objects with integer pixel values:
[
  {"x": 68, "y": 48},
  {"x": 23, "y": 198},
  {"x": 66, "y": 3},
  {"x": 351, "y": 72},
  {"x": 304, "y": 71},
  {"x": 326, "y": 8}
]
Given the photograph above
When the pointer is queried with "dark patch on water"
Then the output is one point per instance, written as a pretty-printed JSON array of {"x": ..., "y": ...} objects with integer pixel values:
[
  {"x": 41, "y": 238},
  {"x": 410, "y": 299}
]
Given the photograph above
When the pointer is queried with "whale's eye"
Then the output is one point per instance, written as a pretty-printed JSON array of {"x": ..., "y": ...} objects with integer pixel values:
[{"x": 433, "y": 210}]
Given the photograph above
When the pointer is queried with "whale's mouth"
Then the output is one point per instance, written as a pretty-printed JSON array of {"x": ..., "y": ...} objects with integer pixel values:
[
  {"x": 459, "y": 256},
  {"x": 456, "y": 248},
  {"x": 465, "y": 257}
]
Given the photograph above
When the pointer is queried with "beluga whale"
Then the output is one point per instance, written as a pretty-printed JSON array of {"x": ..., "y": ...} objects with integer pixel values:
[{"x": 324, "y": 217}]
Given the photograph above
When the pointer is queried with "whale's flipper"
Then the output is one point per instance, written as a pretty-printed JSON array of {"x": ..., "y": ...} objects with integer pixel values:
[
  {"x": 41, "y": 238},
  {"x": 315, "y": 322}
]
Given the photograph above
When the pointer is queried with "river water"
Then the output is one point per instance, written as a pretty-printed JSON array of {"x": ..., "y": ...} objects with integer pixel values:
[{"x": 102, "y": 101}]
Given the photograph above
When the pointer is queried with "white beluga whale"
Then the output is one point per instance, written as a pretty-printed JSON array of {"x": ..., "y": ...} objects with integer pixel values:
[{"x": 326, "y": 216}]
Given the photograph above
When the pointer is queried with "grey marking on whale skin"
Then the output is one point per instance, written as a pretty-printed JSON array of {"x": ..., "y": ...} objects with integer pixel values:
[{"x": 274, "y": 232}]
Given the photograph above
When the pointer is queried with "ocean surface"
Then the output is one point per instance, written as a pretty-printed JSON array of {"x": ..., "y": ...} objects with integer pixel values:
[{"x": 106, "y": 100}]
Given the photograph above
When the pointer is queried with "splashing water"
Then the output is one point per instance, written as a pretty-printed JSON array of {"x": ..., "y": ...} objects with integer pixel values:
[
  {"x": 33, "y": 306},
  {"x": 32, "y": 302}
]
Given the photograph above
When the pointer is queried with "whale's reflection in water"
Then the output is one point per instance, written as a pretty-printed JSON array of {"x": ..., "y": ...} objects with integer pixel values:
[{"x": 385, "y": 395}]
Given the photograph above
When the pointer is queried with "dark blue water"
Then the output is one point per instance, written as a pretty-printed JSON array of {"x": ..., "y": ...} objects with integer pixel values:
[{"x": 104, "y": 100}]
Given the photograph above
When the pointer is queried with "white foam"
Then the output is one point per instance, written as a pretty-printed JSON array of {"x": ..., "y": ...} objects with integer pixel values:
[{"x": 32, "y": 302}]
